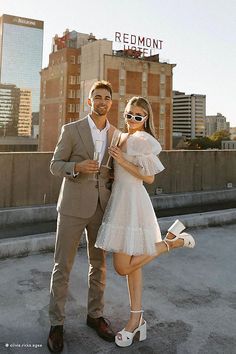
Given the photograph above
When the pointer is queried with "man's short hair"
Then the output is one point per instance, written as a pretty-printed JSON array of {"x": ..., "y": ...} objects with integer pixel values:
[{"x": 101, "y": 85}]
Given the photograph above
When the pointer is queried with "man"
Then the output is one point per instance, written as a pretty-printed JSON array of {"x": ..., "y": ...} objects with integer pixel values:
[{"x": 81, "y": 205}]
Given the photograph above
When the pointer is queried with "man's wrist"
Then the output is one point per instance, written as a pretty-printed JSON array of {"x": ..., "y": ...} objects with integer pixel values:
[{"x": 76, "y": 170}]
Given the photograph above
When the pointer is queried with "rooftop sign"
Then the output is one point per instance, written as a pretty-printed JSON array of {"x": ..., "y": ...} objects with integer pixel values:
[
  {"x": 22, "y": 21},
  {"x": 146, "y": 45}
]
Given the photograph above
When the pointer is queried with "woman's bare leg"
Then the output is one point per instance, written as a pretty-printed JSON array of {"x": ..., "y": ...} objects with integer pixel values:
[
  {"x": 135, "y": 289},
  {"x": 125, "y": 264}
]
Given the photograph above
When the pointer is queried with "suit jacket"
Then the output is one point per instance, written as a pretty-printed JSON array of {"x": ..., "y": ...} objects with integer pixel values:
[{"x": 78, "y": 195}]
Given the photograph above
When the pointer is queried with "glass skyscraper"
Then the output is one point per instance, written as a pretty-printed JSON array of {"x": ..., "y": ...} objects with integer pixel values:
[{"x": 21, "y": 49}]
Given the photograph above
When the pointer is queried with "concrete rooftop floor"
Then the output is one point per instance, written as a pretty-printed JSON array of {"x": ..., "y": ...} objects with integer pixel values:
[{"x": 189, "y": 301}]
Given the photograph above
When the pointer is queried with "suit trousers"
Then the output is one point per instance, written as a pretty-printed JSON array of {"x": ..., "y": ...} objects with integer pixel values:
[{"x": 69, "y": 232}]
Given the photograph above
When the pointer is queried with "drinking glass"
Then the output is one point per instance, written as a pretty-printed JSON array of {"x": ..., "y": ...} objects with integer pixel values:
[
  {"x": 96, "y": 156},
  {"x": 114, "y": 142}
]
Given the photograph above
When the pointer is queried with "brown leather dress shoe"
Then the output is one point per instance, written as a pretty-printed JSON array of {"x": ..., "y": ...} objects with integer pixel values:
[
  {"x": 55, "y": 339},
  {"x": 102, "y": 327}
]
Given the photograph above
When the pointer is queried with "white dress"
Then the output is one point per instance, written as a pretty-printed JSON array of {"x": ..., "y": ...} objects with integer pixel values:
[{"x": 129, "y": 224}]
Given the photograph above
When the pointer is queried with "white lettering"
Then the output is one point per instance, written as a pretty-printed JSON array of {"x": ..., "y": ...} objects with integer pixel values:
[{"x": 26, "y": 22}]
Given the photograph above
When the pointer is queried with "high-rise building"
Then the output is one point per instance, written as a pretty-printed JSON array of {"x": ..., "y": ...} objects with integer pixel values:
[
  {"x": 21, "y": 48},
  {"x": 15, "y": 111},
  {"x": 25, "y": 113},
  {"x": 216, "y": 123},
  {"x": 77, "y": 61},
  {"x": 232, "y": 131},
  {"x": 9, "y": 110},
  {"x": 189, "y": 113}
]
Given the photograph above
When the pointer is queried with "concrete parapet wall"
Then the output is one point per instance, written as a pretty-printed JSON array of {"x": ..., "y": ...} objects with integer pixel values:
[
  {"x": 193, "y": 170},
  {"x": 20, "y": 246},
  {"x": 25, "y": 179},
  {"x": 24, "y": 215},
  {"x": 194, "y": 199}
]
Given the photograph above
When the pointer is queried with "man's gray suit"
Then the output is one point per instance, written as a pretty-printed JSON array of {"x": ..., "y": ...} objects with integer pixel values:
[{"x": 81, "y": 205}]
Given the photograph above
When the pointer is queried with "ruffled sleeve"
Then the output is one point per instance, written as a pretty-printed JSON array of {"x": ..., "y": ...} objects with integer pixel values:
[{"x": 145, "y": 148}]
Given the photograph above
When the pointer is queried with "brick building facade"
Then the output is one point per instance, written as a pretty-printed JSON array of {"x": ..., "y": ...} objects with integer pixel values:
[{"x": 77, "y": 60}]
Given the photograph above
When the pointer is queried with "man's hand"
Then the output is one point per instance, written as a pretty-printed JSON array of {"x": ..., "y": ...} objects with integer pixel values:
[{"x": 87, "y": 166}]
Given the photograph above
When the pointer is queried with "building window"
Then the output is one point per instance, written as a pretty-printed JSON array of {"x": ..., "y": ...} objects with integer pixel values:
[
  {"x": 122, "y": 74},
  {"x": 77, "y": 108},
  {"x": 162, "y": 93},
  {"x": 121, "y": 122},
  {"x": 77, "y": 93},
  {"x": 162, "y": 124},
  {"x": 145, "y": 91},
  {"x": 72, "y": 80},
  {"x": 162, "y": 108},
  {"x": 77, "y": 79},
  {"x": 72, "y": 59},
  {"x": 71, "y": 108},
  {"x": 163, "y": 78},
  {"x": 161, "y": 139},
  {"x": 71, "y": 93},
  {"x": 122, "y": 90},
  {"x": 78, "y": 59},
  {"x": 122, "y": 107}
]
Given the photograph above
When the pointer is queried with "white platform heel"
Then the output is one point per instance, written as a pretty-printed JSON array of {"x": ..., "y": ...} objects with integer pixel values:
[
  {"x": 176, "y": 229},
  {"x": 125, "y": 338}
]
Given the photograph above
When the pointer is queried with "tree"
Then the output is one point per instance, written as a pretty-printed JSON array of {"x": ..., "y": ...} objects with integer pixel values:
[
  {"x": 201, "y": 143},
  {"x": 220, "y": 135}
]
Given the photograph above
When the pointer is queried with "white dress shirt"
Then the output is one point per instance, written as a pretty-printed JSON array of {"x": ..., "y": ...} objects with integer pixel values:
[{"x": 100, "y": 135}]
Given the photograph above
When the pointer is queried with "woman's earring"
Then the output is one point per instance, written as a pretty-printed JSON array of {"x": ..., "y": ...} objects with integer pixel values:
[{"x": 145, "y": 124}]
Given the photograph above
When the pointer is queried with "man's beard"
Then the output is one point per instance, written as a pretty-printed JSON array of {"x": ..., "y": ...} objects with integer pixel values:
[{"x": 100, "y": 113}]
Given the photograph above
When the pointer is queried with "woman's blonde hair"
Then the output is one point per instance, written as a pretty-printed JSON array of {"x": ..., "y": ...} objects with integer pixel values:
[{"x": 145, "y": 105}]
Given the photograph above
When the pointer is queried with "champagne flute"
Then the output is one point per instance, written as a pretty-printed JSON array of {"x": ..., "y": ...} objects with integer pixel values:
[
  {"x": 114, "y": 142},
  {"x": 96, "y": 155}
]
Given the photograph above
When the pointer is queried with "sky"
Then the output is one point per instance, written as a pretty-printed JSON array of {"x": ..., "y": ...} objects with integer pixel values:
[{"x": 199, "y": 36}]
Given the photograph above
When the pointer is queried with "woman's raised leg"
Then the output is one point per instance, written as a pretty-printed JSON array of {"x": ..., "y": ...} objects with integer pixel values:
[{"x": 125, "y": 264}]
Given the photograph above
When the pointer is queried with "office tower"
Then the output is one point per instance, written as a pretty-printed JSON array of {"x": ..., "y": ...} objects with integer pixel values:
[
  {"x": 77, "y": 61},
  {"x": 216, "y": 123},
  {"x": 21, "y": 47},
  {"x": 15, "y": 111},
  {"x": 189, "y": 113},
  {"x": 25, "y": 113}
]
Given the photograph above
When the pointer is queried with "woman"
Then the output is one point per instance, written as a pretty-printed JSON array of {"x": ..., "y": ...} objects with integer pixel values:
[{"x": 130, "y": 229}]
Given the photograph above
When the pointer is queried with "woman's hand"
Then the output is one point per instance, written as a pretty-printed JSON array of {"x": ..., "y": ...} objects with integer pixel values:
[{"x": 116, "y": 153}]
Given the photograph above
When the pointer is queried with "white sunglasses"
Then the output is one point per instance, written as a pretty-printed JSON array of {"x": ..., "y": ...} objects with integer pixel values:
[{"x": 136, "y": 117}]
